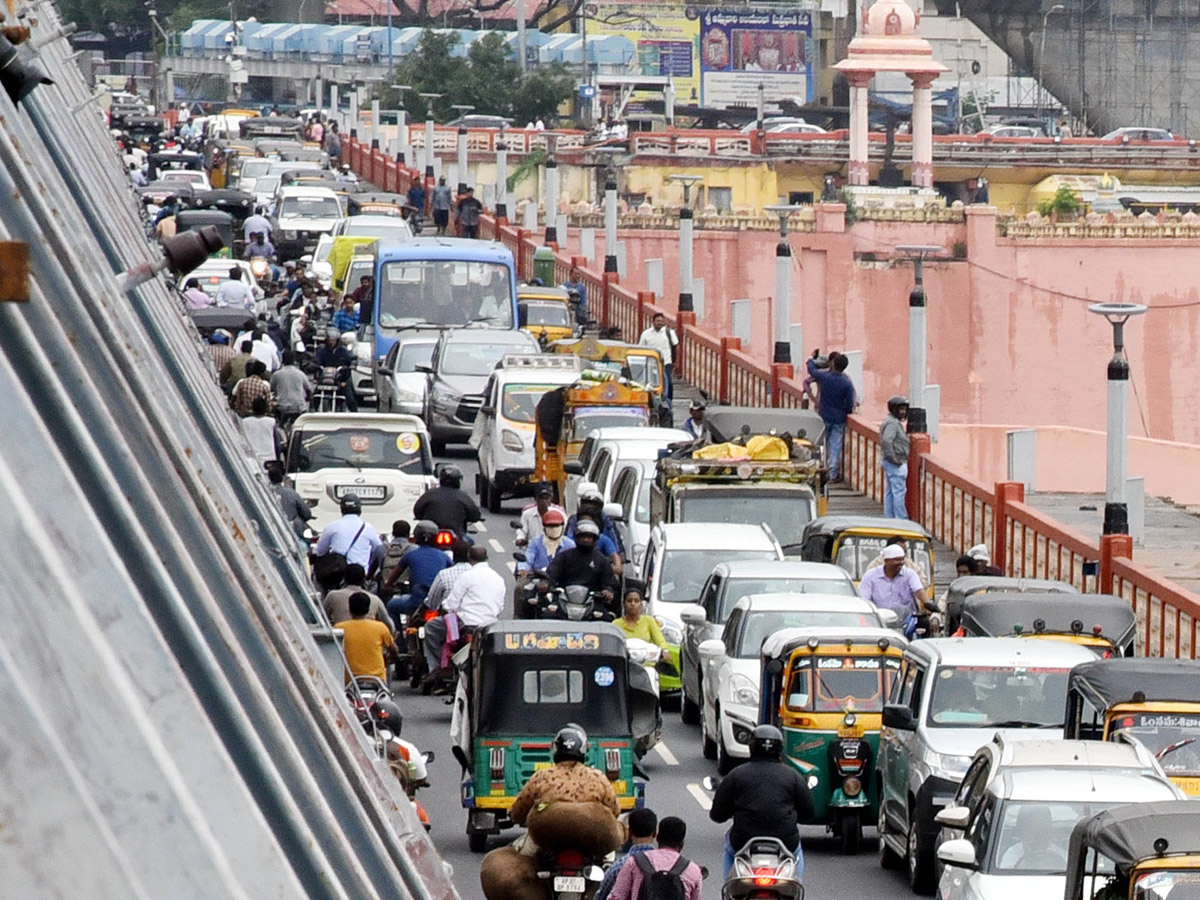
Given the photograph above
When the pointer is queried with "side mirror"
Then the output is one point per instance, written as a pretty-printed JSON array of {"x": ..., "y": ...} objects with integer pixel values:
[
  {"x": 898, "y": 716},
  {"x": 386, "y": 372},
  {"x": 953, "y": 817},
  {"x": 519, "y": 556},
  {"x": 487, "y": 410},
  {"x": 959, "y": 852},
  {"x": 692, "y": 614},
  {"x": 614, "y": 511},
  {"x": 422, "y": 367},
  {"x": 573, "y": 467},
  {"x": 712, "y": 649},
  {"x": 889, "y": 617}
]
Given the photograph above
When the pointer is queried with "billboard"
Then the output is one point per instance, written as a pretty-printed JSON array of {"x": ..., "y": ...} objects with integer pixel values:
[
  {"x": 744, "y": 48},
  {"x": 665, "y": 37}
]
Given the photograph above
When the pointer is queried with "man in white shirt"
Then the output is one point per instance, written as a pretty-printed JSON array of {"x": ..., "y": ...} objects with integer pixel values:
[
  {"x": 235, "y": 293},
  {"x": 531, "y": 515},
  {"x": 476, "y": 598},
  {"x": 256, "y": 223},
  {"x": 663, "y": 339}
]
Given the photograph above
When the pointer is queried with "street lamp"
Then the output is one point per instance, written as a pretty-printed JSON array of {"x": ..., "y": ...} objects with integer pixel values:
[
  {"x": 686, "y": 232},
  {"x": 1057, "y": 7},
  {"x": 403, "y": 151},
  {"x": 917, "y": 335},
  {"x": 783, "y": 286},
  {"x": 429, "y": 97},
  {"x": 462, "y": 109},
  {"x": 1116, "y": 513},
  {"x": 609, "y": 155}
]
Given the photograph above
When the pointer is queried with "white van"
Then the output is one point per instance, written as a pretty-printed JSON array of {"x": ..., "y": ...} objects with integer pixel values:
[
  {"x": 504, "y": 429},
  {"x": 385, "y": 459}
]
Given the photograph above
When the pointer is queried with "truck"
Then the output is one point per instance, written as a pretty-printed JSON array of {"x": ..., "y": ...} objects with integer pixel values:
[{"x": 761, "y": 466}]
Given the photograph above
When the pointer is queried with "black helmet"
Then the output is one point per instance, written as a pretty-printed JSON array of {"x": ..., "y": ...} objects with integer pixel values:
[
  {"x": 424, "y": 531},
  {"x": 895, "y": 402},
  {"x": 766, "y": 742},
  {"x": 386, "y": 714},
  {"x": 450, "y": 476},
  {"x": 351, "y": 505},
  {"x": 571, "y": 743}
]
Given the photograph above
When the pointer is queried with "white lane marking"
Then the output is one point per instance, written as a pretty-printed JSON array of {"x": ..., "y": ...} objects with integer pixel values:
[
  {"x": 701, "y": 797},
  {"x": 496, "y": 545},
  {"x": 481, "y": 528},
  {"x": 665, "y": 753},
  {"x": 512, "y": 567}
]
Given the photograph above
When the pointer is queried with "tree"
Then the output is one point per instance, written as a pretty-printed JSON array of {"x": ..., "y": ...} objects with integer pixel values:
[{"x": 543, "y": 91}]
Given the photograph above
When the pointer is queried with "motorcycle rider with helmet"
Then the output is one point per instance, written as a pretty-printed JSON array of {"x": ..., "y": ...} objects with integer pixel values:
[
  {"x": 543, "y": 550},
  {"x": 333, "y": 355},
  {"x": 423, "y": 563},
  {"x": 583, "y": 564},
  {"x": 447, "y": 504},
  {"x": 765, "y": 797},
  {"x": 351, "y": 535}
]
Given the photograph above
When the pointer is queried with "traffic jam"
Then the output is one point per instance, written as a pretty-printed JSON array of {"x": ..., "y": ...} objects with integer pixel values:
[{"x": 614, "y": 638}]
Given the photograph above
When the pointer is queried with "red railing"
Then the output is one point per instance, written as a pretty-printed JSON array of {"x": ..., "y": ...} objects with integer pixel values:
[{"x": 956, "y": 510}]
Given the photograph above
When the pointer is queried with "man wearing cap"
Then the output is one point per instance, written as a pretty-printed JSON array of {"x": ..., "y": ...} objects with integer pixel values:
[
  {"x": 591, "y": 507},
  {"x": 696, "y": 425},
  {"x": 894, "y": 586},
  {"x": 983, "y": 561},
  {"x": 531, "y": 515}
]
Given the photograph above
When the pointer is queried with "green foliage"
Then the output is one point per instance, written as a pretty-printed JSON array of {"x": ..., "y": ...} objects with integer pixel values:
[
  {"x": 1064, "y": 204},
  {"x": 529, "y": 165}
]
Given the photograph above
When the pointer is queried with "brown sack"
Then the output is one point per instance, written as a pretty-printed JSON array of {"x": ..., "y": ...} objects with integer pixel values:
[
  {"x": 587, "y": 827},
  {"x": 507, "y": 875}
]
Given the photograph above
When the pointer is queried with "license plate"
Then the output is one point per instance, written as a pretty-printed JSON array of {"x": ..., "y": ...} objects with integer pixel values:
[
  {"x": 1190, "y": 786},
  {"x": 537, "y": 767},
  {"x": 569, "y": 884},
  {"x": 364, "y": 491}
]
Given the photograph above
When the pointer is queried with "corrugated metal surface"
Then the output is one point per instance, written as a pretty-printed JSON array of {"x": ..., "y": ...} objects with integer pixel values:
[{"x": 172, "y": 727}]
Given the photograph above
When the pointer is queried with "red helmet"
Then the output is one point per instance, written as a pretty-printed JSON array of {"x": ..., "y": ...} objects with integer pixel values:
[{"x": 553, "y": 517}]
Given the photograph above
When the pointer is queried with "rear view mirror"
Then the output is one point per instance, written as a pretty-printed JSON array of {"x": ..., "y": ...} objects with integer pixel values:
[
  {"x": 953, "y": 817},
  {"x": 960, "y": 852},
  {"x": 573, "y": 467},
  {"x": 713, "y": 648},
  {"x": 889, "y": 617},
  {"x": 691, "y": 614},
  {"x": 898, "y": 716},
  {"x": 487, "y": 410},
  {"x": 614, "y": 511},
  {"x": 422, "y": 367}
]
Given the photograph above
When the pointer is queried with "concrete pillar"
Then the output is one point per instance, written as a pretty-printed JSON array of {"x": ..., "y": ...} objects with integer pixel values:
[
  {"x": 686, "y": 224},
  {"x": 860, "y": 170},
  {"x": 610, "y": 223},
  {"x": 374, "y": 122},
  {"x": 501, "y": 180},
  {"x": 462, "y": 159},
  {"x": 783, "y": 302},
  {"x": 922, "y": 131},
  {"x": 551, "y": 201}
]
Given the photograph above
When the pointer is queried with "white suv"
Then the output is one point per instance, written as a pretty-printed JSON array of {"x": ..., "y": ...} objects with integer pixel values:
[{"x": 302, "y": 215}]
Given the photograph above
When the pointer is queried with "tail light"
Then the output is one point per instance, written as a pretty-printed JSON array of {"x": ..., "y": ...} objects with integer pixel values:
[
  {"x": 764, "y": 877},
  {"x": 444, "y": 539},
  {"x": 612, "y": 763},
  {"x": 496, "y": 763},
  {"x": 569, "y": 859}
]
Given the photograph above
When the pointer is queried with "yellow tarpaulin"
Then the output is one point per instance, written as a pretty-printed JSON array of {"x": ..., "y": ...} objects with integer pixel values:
[
  {"x": 342, "y": 252},
  {"x": 761, "y": 447}
]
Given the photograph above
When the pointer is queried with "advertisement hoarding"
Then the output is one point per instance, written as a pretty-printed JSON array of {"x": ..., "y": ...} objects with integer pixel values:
[
  {"x": 744, "y": 48},
  {"x": 665, "y": 37}
]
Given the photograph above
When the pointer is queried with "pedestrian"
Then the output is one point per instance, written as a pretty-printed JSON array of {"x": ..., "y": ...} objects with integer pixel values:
[
  {"x": 893, "y": 450},
  {"x": 416, "y": 197},
  {"x": 577, "y": 293},
  {"x": 262, "y": 431},
  {"x": 663, "y": 339},
  {"x": 643, "y": 834},
  {"x": 467, "y": 214},
  {"x": 333, "y": 145},
  {"x": 667, "y": 858},
  {"x": 835, "y": 402},
  {"x": 234, "y": 370},
  {"x": 442, "y": 201},
  {"x": 254, "y": 385},
  {"x": 696, "y": 425},
  {"x": 292, "y": 388},
  {"x": 366, "y": 642}
]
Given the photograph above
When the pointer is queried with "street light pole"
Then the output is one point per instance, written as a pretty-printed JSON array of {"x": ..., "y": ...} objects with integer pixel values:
[
  {"x": 686, "y": 242},
  {"x": 463, "y": 109},
  {"x": 1116, "y": 512},
  {"x": 1057, "y": 7},
  {"x": 917, "y": 336},
  {"x": 783, "y": 287}
]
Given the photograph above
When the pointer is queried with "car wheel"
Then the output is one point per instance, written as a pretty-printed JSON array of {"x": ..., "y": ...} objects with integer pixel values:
[
  {"x": 708, "y": 745},
  {"x": 920, "y": 866},
  {"x": 887, "y": 856},
  {"x": 725, "y": 762},
  {"x": 689, "y": 709}
]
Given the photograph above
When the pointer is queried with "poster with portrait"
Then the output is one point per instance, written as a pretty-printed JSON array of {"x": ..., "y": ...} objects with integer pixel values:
[{"x": 742, "y": 49}]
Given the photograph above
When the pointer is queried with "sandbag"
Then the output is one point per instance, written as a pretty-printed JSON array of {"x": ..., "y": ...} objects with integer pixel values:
[
  {"x": 507, "y": 875},
  {"x": 590, "y": 828}
]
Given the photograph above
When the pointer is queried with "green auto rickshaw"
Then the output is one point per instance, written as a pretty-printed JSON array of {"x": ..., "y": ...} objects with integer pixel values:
[{"x": 527, "y": 679}]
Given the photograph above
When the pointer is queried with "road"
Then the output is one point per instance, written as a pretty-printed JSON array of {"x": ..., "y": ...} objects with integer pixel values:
[{"x": 675, "y": 767}]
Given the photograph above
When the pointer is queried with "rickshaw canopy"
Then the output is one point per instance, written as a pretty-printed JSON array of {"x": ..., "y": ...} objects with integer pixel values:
[
  {"x": 1088, "y": 615},
  {"x": 1127, "y": 835},
  {"x": 961, "y": 588},
  {"x": 1107, "y": 682},
  {"x": 377, "y": 204}
]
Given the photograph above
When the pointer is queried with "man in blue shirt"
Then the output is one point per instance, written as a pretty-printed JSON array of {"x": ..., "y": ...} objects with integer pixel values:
[
  {"x": 835, "y": 401},
  {"x": 422, "y": 563},
  {"x": 351, "y": 535},
  {"x": 346, "y": 318},
  {"x": 591, "y": 506},
  {"x": 574, "y": 285},
  {"x": 643, "y": 831}
]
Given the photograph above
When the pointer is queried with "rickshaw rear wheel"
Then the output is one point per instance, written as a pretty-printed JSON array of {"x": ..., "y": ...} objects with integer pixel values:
[{"x": 477, "y": 841}]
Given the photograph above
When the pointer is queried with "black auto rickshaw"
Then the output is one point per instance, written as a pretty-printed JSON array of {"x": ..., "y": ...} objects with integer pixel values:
[
  {"x": 526, "y": 680},
  {"x": 1103, "y": 623},
  {"x": 159, "y": 193},
  {"x": 962, "y": 588},
  {"x": 239, "y": 205},
  {"x": 144, "y": 129},
  {"x": 191, "y": 219},
  {"x": 853, "y": 542},
  {"x": 173, "y": 161},
  {"x": 271, "y": 127},
  {"x": 1153, "y": 701},
  {"x": 1139, "y": 851}
]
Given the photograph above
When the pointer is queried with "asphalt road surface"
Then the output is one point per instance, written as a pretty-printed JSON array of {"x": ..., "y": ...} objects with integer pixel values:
[{"x": 676, "y": 767}]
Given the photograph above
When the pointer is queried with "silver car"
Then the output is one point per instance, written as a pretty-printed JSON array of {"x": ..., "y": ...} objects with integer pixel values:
[{"x": 399, "y": 384}]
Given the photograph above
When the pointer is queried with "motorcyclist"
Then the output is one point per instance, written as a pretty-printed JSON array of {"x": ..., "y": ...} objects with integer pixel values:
[
  {"x": 591, "y": 506},
  {"x": 542, "y": 550},
  {"x": 351, "y": 535},
  {"x": 583, "y": 564},
  {"x": 447, "y": 504},
  {"x": 765, "y": 797},
  {"x": 332, "y": 354},
  {"x": 423, "y": 563},
  {"x": 260, "y": 246}
]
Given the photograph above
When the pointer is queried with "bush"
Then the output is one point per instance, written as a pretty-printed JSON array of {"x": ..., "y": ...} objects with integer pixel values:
[{"x": 1064, "y": 204}]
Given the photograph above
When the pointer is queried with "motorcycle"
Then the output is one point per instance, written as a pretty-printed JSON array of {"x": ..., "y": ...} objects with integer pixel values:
[
  {"x": 763, "y": 869},
  {"x": 327, "y": 391},
  {"x": 575, "y": 603},
  {"x": 571, "y": 876}
]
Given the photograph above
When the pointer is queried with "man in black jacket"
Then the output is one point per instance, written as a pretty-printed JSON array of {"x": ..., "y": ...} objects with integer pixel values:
[
  {"x": 447, "y": 504},
  {"x": 765, "y": 798},
  {"x": 582, "y": 564}
]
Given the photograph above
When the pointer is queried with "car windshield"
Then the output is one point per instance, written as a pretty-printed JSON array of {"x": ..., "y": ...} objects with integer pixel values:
[
  {"x": 266, "y": 184},
  {"x": 376, "y": 230},
  {"x": 998, "y": 697},
  {"x": 737, "y": 588},
  {"x": 183, "y": 175},
  {"x": 413, "y": 355},
  {"x": 554, "y": 314},
  {"x": 253, "y": 168},
  {"x": 474, "y": 359},
  {"x": 321, "y": 254},
  {"x": 685, "y": 571},
  {"x": 521, "y": 400},
  {"x": 857, "y": 551},
  {"x": 784, "y": 511},
  {"x": 858, "y": 683},
  {"x": 1172, "y": 737},
  {"x": 310, "y": 207},
  {"x": 587, "y": 419},
  {"x": 644, "y": 369},
  {"x": 445, "y": 292},
  {"x": 360, "y": 448},
  {"x": 1167, "y": 884},
  {"x": 1033, "y": 836},
  {"x": 760, "y": 625}
]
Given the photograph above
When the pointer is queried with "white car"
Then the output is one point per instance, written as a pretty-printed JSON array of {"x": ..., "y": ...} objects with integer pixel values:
[
  {"x": 605, "y": 449},
  {"x": 302, "y": 215},
  {"x": 214, "y": 272},
  {"x": 797, "y": 128},
  {"x": 252, "y": 169},
  {"x": 194, "y": 177},
  {"x": 1015, "y": 845},
  {"x": 392, "y": 228},
  {"x": 770, "y": 123},
  {"x": 732, "y": 666},
  {"x": 631, "y": 491},
  {"x": 320, "y": 267}
]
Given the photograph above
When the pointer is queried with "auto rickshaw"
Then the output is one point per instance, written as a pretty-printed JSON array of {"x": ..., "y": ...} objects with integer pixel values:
[
  {"x": 1154, "y": 701},
  {"x": 238, "y": 204},
  {"x": 636, "y": 362},
  {"x": 378, "y": 203},
  {"x": 193, "y": 219},
  {"x": 962, "y": 588},
  {"x": 853, "y": 542},
  {"x": 545, "y": 312},
  {"x": 144, "y": 129},
  {"x": 1102, "y": 622},
  {"x": 271, "y": 126},
  {"x": 1139, "y": 851},
  {"x": 527, "y": 679},
  {"x": 157, "y": 163},
  {"x": 824, "y": 688}
]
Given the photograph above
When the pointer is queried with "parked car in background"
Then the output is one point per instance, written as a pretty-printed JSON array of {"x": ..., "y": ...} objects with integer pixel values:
[{"x": 1138, "y": 133}]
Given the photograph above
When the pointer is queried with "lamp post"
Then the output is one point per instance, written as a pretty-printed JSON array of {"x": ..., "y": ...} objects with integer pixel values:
[
  {"x": 609, "y": 155},
  {"x": 783, "y": 286},
  {"x": 1057, "y": 7},
  {"x": 404, "y": 149},
  {"x": 1116, "y": 513},
  {"x": 686, "y": 237},
  {"x": 391, "y": 65},
  {"x": 462, "y": 109},
  {"x": 501, "y": 176},
  {"x": 917, "y": 335}
]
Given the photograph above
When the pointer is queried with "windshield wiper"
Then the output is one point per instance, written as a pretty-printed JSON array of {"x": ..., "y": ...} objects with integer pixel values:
[{"x": 1023, "y": 723}]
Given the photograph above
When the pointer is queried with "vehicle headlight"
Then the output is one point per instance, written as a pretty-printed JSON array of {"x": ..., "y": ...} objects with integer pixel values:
[
  {"x": 510, "y": 440},
  {"x": 672, "y": 631},
  {"x": 742, "y": 690},
  {"x": 406, "y": 396},
  {"x": 445, "y": 396},
  {"x": 949, "y": 766},
  {"x": 288, "y": 235}
]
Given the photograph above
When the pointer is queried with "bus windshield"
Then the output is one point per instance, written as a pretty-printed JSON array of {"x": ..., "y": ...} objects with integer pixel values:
[{"x": 444, "y": 292}]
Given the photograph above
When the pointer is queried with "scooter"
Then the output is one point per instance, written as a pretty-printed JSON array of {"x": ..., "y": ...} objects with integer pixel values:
[
  {"x": 575, "y": 603},
  {"x": 763, "y": 869}
]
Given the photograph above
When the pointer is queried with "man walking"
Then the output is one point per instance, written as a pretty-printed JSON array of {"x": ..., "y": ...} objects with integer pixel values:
[
  {"x": 893, "y": 448},
  {"x": 442, "y": 201},
  {"x": 835, "y": 401},
  {"x": 663, "y": 339},
  {"x": 467, "y": 215}
]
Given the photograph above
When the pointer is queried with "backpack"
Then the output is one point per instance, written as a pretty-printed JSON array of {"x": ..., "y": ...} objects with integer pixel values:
[
  {"x": 658, "y": 885},
  {"x": 391, "y": 559}
]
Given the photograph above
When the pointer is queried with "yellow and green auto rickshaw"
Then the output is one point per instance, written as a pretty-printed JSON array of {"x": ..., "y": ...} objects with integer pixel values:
[
  {"x": 525, "y": 681},
  {"x": 853, "y": 542},
  {"x": 1139, "y": 851},
  {"x": 824, "y": 688},
  {"x": 1153, "y": 701},
  {"x": 545, "y": 312},
  {"x": 1102, "y": 622}
]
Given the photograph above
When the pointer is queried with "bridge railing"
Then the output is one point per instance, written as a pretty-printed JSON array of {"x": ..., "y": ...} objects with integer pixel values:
[{"x": 957, "y": 510}]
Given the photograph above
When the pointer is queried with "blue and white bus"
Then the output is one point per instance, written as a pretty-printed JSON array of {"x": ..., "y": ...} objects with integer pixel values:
[{"x": 432, "y": 284}]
